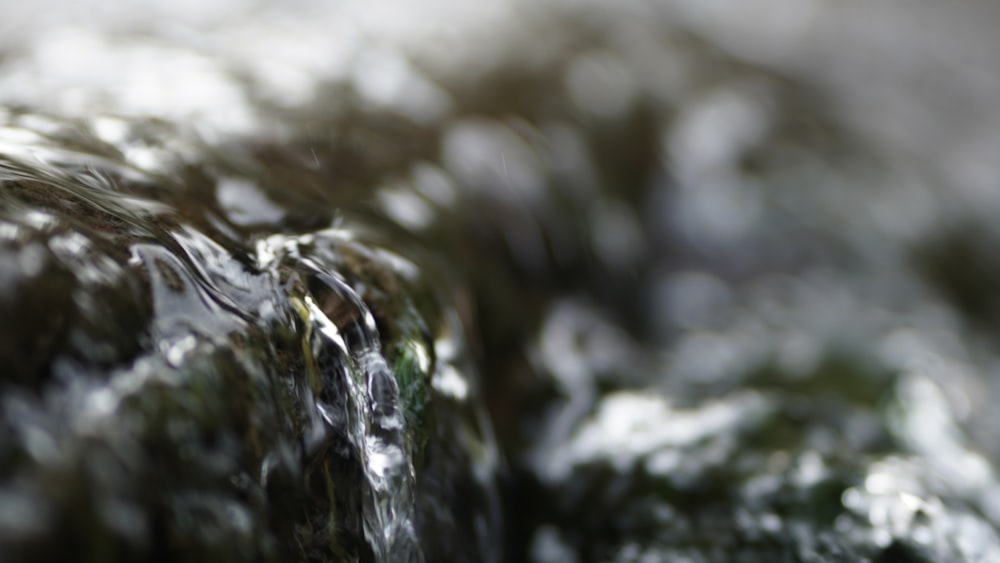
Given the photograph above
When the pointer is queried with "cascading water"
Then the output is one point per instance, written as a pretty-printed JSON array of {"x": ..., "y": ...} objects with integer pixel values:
[
  {"x": 283, "y": 383},
  {"x": 725, "y": 285},
  {"x": 340, "y": 325}
]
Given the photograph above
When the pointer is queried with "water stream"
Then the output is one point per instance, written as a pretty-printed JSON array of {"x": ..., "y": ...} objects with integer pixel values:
[
  {"x": 348, "y": 351},
  {"x": 528, "y": 281}
]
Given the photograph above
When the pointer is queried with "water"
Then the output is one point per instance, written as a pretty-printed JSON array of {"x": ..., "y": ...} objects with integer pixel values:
[
  {"x": 374, "y": 416},
  {"x": 244, "y": 374},
  {"x": 526, "y": 281}
]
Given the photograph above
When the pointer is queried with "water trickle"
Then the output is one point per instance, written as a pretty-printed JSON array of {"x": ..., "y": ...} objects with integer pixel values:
[
  {"x": 341, "y": 325},
  {"x": 670, "y": 250}
]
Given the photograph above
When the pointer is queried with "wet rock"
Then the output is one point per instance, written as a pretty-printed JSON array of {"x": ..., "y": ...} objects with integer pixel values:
[
  {"x": 183, "y": 392},
  {"x": 264, "y": 274}
]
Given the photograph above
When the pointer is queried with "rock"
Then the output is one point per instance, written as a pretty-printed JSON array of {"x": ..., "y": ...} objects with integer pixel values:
[{"x": 183, "y": 390}]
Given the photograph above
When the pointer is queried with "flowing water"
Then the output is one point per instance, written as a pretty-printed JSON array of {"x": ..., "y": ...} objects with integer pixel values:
[
  {"x": 527, "y": 281},
  {"x": 155, "y": 323},
  {"x": 372, "y": 414}
]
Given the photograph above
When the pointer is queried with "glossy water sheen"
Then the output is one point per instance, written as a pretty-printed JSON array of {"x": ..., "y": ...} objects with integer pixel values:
[
  {"x": 374, "y": 416},
  {"x": 156, "y": 321},
  {"x": 725, "y": 285}
]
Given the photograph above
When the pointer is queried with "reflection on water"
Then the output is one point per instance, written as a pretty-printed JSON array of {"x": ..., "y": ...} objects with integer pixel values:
[{"x": 555, "y": 281}]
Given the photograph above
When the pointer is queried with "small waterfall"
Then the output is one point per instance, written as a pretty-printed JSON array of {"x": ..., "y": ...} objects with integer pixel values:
[{"x": 340, "y": 324}]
